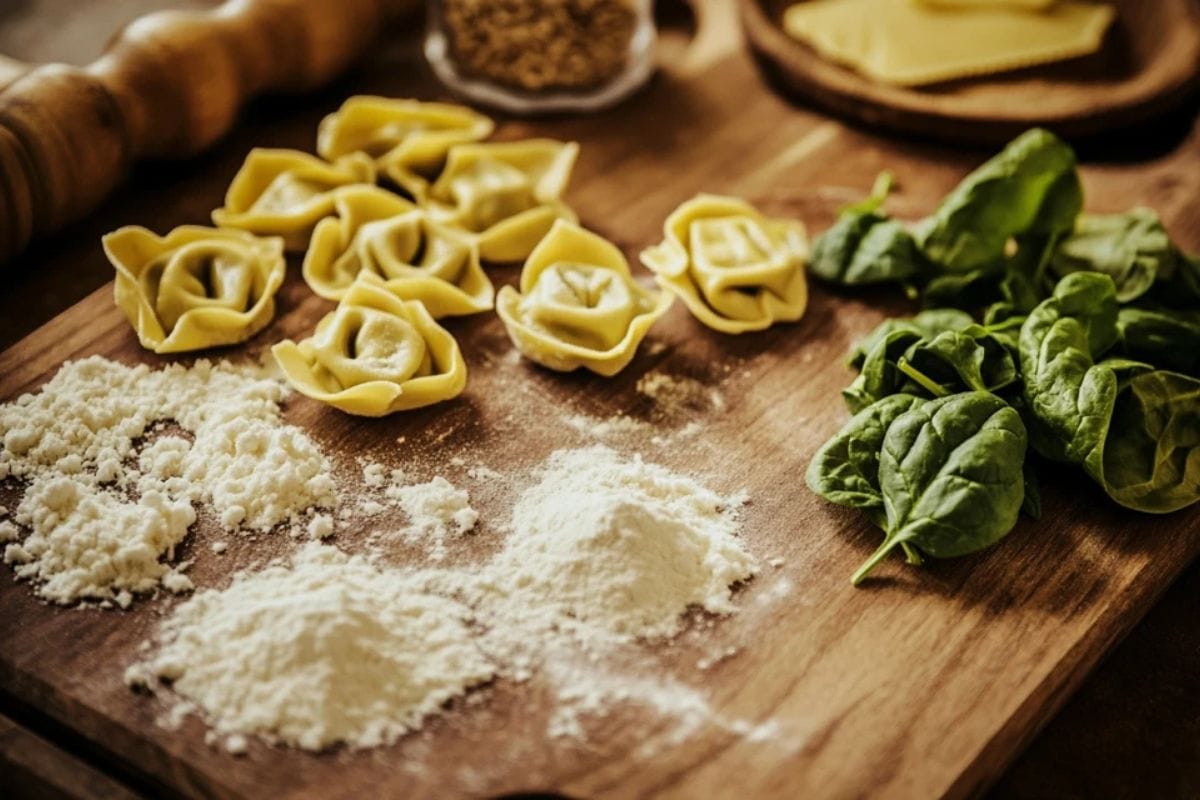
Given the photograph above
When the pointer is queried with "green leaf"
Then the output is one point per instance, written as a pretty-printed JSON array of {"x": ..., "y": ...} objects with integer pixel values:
[
  {"x": 1135, "y": 430},
  {"x": 1151, "y": 460},
  {"x": 846, "y": 468},
  {"x": 1131, "y": 248},
  {"x": 928, "y": 323},
  {"x": 881, "y": 376},
  {"x": 950, "y": 472},
  {"x": 865, "y": 246},
  {"x": 1163, "y": 337},
  {"x": 1029, "y": 187},
  {"x": 1068, "y": 398},
  {"x": 959, "y": 361}
]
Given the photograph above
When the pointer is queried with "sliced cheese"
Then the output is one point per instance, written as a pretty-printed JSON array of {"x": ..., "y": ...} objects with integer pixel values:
[{"x": 911, "y": 43}]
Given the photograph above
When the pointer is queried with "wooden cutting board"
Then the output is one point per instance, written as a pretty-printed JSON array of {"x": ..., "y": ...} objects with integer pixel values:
[{"x": 923, "y": 683}]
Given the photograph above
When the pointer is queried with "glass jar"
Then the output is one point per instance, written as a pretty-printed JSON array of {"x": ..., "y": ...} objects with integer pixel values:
[{"x": 530, "y": 56}]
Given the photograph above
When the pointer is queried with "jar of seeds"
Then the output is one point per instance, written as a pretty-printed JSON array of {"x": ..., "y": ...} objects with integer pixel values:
[{"x": 528, "y": 56}]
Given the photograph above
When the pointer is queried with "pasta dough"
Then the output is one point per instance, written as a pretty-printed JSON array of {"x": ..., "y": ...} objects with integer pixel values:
[
  {"x": 507, "y": 195},
  {"x": 377, "y": 353},
  {"x": 286, "y": 192},
  {"x": 380, "y": 233},
  {"x": 578, "y": 305},
  {"x": 735, "y": 269},
  {"x": 197, "y": 287},
  {"x": 407, "y": 139},
  {"x": 912, "y": 43},
  {"x": 1029, "y": 5}
]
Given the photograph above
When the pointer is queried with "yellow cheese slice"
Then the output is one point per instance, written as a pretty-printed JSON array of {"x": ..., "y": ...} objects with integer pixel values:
[{"x": 911, "y": 43}]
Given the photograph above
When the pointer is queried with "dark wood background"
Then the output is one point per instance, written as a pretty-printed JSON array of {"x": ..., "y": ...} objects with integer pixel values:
[{"x": 1133, "y": 728}]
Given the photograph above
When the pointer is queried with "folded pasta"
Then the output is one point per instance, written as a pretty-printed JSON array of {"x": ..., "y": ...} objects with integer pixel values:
[
  {"x": 286, "y": 192},
  {"x": 379, "y": 233},
  {"x": 196, "y": 287},
  {"x": 407, "y": 139},
  {"x": 735, "y": 269},
  {"x": 376, "y": 354},
  {"x": 578, "y": 305},
  {"x": 507, "y": 195}
]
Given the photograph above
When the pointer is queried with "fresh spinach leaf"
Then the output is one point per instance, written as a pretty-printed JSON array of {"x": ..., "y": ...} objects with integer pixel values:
[
  {"x": 1135, "y": 430},
  {"x": 1031, "y": 187},
  {"x": 1151, "y": 459},
  {"x": 950, "y": 472},
  {"x": 1164, "y": 337},
  {"x": 1068, "y": 398},
  {"x": 881, "y": 375},
  {"x": 864, "y": 246},
  {"x": 1131, "y": 248},
  {"x": 846, "y": 468},
  {"x": 928, "y": 323},
  {"x": 958, "y": 361}
]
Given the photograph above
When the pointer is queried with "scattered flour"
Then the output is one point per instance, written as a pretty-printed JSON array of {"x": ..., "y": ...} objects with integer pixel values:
[
  {"x": 103, "y": 505},
  {"x": 602, "y": 551},
  {"x": 598, "y": 428},
  {"x": 320, "y": 527},
  {"x": 328, "y": 649},
  {"x": 435, "y": 510},
  {"x": 88, "y": 543},
  {"x": 675, "y": 393}
]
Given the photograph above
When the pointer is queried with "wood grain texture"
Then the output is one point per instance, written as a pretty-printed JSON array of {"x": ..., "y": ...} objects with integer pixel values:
[
  {"x": 35, "y": 769},
  {"x": 168, "y": 86},
  {"x": 1149, "y": 64},
  {"x": 923, "y": 684}
]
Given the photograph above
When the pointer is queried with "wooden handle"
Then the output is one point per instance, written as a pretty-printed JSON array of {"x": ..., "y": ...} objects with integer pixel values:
[{"x": 168, "y": 86}]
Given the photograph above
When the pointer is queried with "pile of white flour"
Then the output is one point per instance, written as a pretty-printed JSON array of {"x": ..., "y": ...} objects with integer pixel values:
[
  {"x": 607, "y": 546},
  {"x": 104, "y": 504},
  {"x": 329, "y": 648}
]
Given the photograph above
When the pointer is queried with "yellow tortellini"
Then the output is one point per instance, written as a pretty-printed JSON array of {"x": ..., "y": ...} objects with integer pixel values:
[
  {"x": 196, "y": 287},
  {"x": 506, "y": 194},
  {"x": 377, "y": 353},
  {"x": 408, "y": 139},
  {"x": 286, "y": 192},
  {"x": 578, "y": 305},
  {"x": 735, "y": 269},
  {"x": 379, "y": 233}
]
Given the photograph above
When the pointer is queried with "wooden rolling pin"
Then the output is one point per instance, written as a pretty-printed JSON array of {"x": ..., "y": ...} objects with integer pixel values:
[{"x": 169, "y": 85}]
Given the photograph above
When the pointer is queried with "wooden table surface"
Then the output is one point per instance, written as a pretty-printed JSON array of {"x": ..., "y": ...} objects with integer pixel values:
[{"x": 1132, "y": 730}]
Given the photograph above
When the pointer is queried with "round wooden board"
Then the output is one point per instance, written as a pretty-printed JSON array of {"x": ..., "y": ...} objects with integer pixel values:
[{"x": 1149, "y": 64}]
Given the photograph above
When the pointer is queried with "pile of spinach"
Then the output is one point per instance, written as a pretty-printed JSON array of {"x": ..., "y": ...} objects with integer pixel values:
[{"x": 1086, "y": 351}]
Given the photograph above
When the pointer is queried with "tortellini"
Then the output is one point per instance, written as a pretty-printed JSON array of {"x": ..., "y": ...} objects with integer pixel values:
[
  {"x": 407, "y": 139},
  {"x": 375, "y": 354},
  {"x": 286, "y": 192},
  {"x": 506, "y": 194},
  {"x": 578, "y": 305},
  {"x": 379, "y": 233},
  {"x": 197, "y": 287},
  {"x": 735, "y": 269}
]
